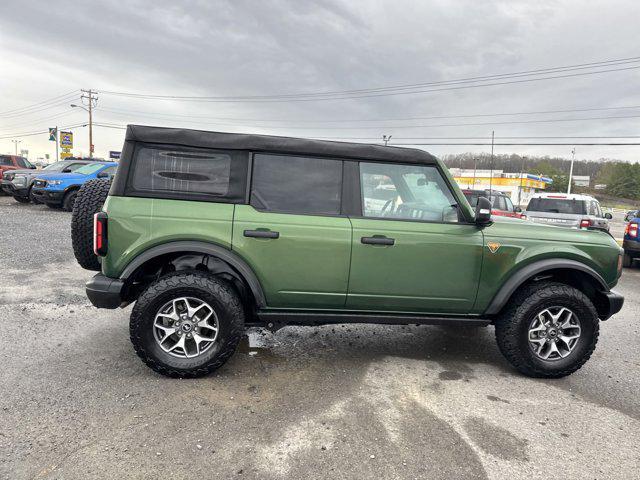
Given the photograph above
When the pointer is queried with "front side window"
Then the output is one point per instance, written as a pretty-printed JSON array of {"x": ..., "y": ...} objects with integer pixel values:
[
  {"x": 406, "y": 192},
  {"x": 24, "y": 163},
  {"x": 509, "y": 204},
  {"x": 290, "y": 184}
]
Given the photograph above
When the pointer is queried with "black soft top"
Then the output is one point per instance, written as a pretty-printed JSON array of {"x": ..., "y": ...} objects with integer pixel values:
[{"x": 275, "y": 144}]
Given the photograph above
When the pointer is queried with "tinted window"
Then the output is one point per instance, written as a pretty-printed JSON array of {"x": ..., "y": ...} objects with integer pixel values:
[
  {"x": 557, "y": 205},
  {"x": 296, "y": 184},
  {"x": 509, "y": 204},
  {"x": 413, "y": 192},
  {"x": 23, "y": 163},
  {"x": 4, "y": 160},
  {"x": 185, "y": 173}
]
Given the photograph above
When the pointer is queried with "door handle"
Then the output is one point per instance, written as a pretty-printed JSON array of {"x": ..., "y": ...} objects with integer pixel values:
[
  {"x": 378, "y": 240},
  {"x": 261, "y": 234}
]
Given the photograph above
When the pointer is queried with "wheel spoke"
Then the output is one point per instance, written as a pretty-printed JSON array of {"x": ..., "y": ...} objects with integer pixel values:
[{"x": 185, "y": 327}]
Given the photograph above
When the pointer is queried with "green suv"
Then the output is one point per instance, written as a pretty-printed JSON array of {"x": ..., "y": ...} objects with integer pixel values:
[{"x": 209, "y": 233}]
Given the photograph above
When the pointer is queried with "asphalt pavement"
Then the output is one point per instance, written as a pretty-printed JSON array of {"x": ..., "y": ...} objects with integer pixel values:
[{"x": 330, "y": 402}]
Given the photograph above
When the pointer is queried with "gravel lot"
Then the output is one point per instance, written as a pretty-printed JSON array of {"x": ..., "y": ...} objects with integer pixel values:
[{"x": 330, "y": 402}]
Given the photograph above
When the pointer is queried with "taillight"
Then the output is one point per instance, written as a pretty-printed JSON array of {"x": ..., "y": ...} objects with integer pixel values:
[
  {"x": 585, "y": 223},
  {"x": 631, "y": 230},
  {"x": 100, "y": 234}
]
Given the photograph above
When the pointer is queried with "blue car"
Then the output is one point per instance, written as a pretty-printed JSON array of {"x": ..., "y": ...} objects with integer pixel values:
[
  {"x": 60, "y": 190},
  {"x": 631, "y": 242}
]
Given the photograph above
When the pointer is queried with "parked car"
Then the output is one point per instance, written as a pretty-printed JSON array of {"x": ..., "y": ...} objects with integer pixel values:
[
  {"x": 631, "y": 241},
  {"x": 568, "y": 210},
  {"x": 501, "y": 204},
  {"x": 59, "y": 190},
  {"x": 18, "y": 183},
  {"x": 209, "y": 233},
  {"x": 631, "y": 214},
  {"x": 13, "y": 162}
]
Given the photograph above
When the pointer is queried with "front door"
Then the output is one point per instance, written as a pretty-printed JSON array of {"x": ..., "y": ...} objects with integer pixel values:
[
  {"x": 410, "y": 252},
  {"x": 293, "y": 235}
]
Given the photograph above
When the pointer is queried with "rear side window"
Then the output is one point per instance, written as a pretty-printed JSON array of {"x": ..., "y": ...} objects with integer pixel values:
[
  {"x": 557, "y": 205},
  {"x": 189, "y": 174},
  {"x": 4, "y": 160},
  {"x": 290, "y": 184}
]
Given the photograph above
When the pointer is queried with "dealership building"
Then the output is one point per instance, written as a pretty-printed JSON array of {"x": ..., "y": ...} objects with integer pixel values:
[{"x": 518, "y": 186}]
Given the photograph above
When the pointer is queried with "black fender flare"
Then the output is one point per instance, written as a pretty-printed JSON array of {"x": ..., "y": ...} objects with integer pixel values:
[
  {"x": 205, "y": 248},
  {"x": 525, "y": 273}
]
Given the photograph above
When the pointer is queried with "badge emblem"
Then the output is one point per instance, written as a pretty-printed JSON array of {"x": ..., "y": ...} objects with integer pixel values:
[{"x": 493, "y": 246}]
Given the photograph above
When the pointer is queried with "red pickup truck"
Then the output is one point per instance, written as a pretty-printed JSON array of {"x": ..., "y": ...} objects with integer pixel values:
[{"x": 501, "y": 204}]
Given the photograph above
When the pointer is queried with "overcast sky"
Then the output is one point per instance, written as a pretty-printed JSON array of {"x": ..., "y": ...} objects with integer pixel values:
[{"x": 248, "y": 48}]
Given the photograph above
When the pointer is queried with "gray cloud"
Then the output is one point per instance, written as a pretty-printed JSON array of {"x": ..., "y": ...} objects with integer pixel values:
[{"x": 287, "y": 46}]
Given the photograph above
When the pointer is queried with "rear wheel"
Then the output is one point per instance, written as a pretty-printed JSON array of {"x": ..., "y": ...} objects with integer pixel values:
[
  {"x": 90, "y": 199},
  {"x": 186, "y": 324},
  {"x": 548, "y": 330}
]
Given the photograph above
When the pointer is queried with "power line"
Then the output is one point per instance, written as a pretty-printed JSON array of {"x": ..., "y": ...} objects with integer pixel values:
[
  {"x": 403, "y": 89},
  {"x": 39, "y": 106},
  {"x": 298, "y": 121}
]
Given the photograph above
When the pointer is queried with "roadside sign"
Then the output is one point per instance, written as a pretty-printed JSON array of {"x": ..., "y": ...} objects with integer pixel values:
[
  {"x": 113, "y": 155},
  {"x": 66, "y": 140},
  {"x": 53, "y": 133},
  {"x": 66, "y": 154}
]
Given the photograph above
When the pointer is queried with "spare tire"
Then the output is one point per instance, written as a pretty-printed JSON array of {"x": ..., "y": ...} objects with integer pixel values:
[{"x": 89, "y": 201}]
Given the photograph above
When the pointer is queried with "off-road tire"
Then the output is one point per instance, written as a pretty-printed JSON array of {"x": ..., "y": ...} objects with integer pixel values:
[
  {"x": 21, "y": 199},
  {"x": 90, "y": 199},
  {"x": 513, "y": 323},
  {"x": 627, "y": 261},
  {"x": 69, "y": 200},
  {"x": 217, "y": 293}
]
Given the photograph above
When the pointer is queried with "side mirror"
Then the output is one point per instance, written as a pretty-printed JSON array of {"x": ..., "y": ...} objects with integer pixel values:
[
  {"x": 66, "y": 170},
  {"x": 608, "y": 216},
  {"x": 517, "y": 210},
  {"x": 483, "y": 211},
  {"x": 103, "y": 175},
  {"x": 32, "y": 167}
]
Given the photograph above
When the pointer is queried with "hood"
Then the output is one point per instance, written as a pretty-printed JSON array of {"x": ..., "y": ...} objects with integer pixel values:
[
  {"x": 506, "y": 227},
  {"x": 22, "y": 171}
]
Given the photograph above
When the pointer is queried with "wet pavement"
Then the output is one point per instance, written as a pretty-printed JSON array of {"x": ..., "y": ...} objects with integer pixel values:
[{"x": 365, "y": 401}]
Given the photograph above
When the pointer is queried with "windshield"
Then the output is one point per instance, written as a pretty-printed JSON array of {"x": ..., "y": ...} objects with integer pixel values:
[
  {"x": 557, "y": 205},
  {"x": 54, "y": 167},
  {"x": 89, "y": 169}
]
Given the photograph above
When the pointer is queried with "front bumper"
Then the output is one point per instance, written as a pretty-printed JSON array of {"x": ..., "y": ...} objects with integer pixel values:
[
  {"x": 47, "y": 196},
  {"x": 612, "y": 305},
  {"x": 105, "y": 292},
  {"x": 10, "y": 189}
]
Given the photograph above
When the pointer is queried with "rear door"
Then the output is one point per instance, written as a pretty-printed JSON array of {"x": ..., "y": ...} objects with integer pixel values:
[
  {"x": 293, "y": 234},
  {"x": 412, "y": 254}
]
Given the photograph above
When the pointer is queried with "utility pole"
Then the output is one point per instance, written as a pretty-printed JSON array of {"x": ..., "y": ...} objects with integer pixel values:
[
  {"x": 16, "y": 142},
  {"x": 92, "y": 100},
  {"x": 57, "y": 143},
  {"x": 573, "y": 157},
  {"x": 521, "y": 174},
  {"x": 386, "y": 139}
]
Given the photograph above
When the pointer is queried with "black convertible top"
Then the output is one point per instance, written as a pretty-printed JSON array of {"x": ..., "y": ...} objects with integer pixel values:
[{"x": 275, "y": 144}]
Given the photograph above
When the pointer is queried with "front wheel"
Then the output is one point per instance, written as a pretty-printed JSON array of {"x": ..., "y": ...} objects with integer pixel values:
[
  {"x": 69, "y": 200},
  {"x": 548, "y": 330},
  {"x": 21, "y": 199},
  {"x": 186, "y": 324}
]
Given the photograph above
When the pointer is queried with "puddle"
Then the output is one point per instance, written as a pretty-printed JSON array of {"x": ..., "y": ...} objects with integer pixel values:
[{"x": 256, "y": 344}]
